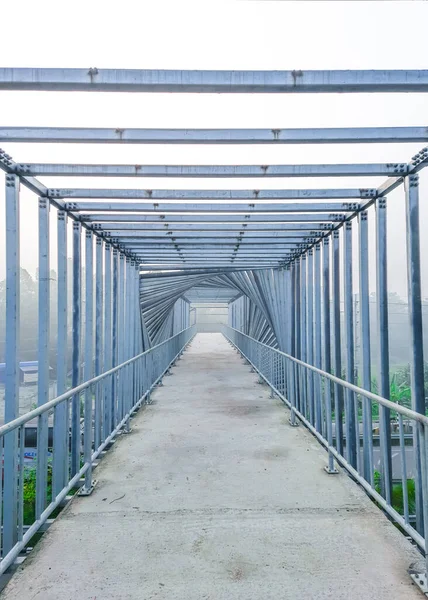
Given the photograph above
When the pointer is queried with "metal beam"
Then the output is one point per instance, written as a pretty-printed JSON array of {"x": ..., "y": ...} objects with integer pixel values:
[
  {"x": 188, "y": 236},
  {"x": 204, "y": 207},
  {"x": 186, "y": 81},
  {"x": 250, "y": 228},
  {"x": 211, "y": 242},
  {"x": 331, "y": 135},
  {"x": 214, "y": 171},
  {"x": 247, "y": 218}
]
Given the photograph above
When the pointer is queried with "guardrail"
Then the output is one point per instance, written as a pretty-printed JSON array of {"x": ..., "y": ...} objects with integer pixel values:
[
  {"x": 106, "y": 403},
  {"x": 324, "y": 402}
]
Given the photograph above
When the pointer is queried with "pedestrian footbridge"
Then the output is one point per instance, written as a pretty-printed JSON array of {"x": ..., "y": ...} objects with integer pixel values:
[
  {"x": 271, "y": 459},
  {"x": 213, "y": 495}
]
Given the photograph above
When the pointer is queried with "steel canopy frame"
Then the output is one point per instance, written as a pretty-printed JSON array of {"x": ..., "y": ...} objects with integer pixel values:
[{"x": 284, "y": 285}]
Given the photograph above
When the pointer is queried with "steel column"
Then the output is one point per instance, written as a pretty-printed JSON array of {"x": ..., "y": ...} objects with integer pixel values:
[
  {"x": 368, "y": 469},
  {"x": 351, "y": 415},
  {"x": 382, "y": 322},
  {"x": 10, "y": 453},
  {"x": 414, "y": 291},
  {"x": 76, "y": 346},
  {"x": 43, "y": 383},
  {"x": 61, "y": 413}
]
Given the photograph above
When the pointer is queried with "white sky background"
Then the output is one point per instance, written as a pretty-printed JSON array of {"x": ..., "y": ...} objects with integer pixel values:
[{"x": 215, "y": 35}]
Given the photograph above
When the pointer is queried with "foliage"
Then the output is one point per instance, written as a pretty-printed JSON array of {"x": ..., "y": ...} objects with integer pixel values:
[
  {"x": 397, "y": 494},
  {"x": 30, "y": 483}
]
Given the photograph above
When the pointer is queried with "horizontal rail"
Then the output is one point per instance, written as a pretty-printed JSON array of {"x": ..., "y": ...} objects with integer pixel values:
[
  {"x": 406, "y": 412},
  {"x": 117, "y": 394},
  {"x": 48, "y": 406},
  {"x": 294, "y": 381}
]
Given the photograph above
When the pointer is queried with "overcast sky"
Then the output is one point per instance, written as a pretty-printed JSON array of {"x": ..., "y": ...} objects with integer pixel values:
[{"x": 215, "y": 35}]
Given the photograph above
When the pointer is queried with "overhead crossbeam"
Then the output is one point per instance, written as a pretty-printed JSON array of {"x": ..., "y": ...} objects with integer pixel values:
[
  {"x": 186, "y": 81},
  {"x": 326, "y": 135},
  {"x": 215, "y": 218},
  {"x": 248, "y": 228},
  {"x": 192, "y": 195},
  {"x": 220, "y": 171}
]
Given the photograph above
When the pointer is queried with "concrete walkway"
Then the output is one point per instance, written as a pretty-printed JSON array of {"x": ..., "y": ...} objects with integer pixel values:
[{"x": 213, "y": 496}]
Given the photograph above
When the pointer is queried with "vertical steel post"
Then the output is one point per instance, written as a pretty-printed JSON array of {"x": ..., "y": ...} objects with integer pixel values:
[
  {"x": 310, "y": 333},
  {"x": 115, "y": 322},
  {"x": 76, "y": 344},
  {"x": 303, "y": 328},
  {"x": 414, "y": 291},
  {"x": 365, "y": 346},
  {"x": 120, "y": 333},
  {"x": 108, "y": 416},
  {"x": 99, "y": 433},
  {"x": 89, "y": 356},
  {"x": 60, "y": 432},
  {"x": 43, "y": 357},
  {"x": 327, "y": 351},
  {"x": 317, "y": 324},
  {"x": 292, "y": 370},
  {"x": 297, "y": 334},
  {"x": 351, "y": 416},
  {"x": 382, "y": 322},
  {"x": 337, "y": 353},
  {"x": 10, "y": 452}
]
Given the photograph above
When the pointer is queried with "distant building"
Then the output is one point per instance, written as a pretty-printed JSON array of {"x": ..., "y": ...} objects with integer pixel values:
[{"x": 28, "y": 372}]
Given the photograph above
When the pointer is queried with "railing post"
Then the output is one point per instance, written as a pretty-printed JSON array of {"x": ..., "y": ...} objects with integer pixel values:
[
  {"x": 351, "y": 415},
  {"x": 76, "y": 342},
  {"x": 365, "y": 346},
  {"x": 107, "y": 387},
  {"x": 115, "y": 322},
  {"x": 337, "y": 351},
  {"x": 88, "y": 367},
  {"x": 411, "y": 184},
  {"x": 327, "y": 353},
  {"x": 382, "y": 321},
  {"x": 10, "y": 454},
  {"x": 99, "y": 363},
  {"x": 43, "y": 357},
  {"x": 61, "y": 412},
  {"x": 310, "y": 333},
  {"x": 317, "y": 325},
  {"x": 303, "y": 328}
]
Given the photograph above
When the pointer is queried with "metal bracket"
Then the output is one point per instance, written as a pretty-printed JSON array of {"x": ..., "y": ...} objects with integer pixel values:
[
  {"x": 87, "y": 492},
  {"x": 331, "y": 471},
  {"x": 421, "y": 581}
]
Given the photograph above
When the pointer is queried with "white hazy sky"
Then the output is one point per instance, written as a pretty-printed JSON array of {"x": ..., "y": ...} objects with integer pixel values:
[{"x": 215, "y": 35}]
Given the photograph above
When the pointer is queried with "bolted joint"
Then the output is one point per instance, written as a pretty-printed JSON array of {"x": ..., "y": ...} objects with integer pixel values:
[
  {"x": 368, "y": 193},
  {"x": 11, "y": 180},
  {"x": 413, "y": 180}
]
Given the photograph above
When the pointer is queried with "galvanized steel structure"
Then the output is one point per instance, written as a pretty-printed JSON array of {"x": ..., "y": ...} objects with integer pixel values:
[{"x": 283, "y": 259}]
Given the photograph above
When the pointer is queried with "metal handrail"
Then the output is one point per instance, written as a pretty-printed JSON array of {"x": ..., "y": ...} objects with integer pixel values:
[
  {"x": 36, "y": 412},
  {"x": 289, "y": 384},
  {"x": 407, "y": 412}
]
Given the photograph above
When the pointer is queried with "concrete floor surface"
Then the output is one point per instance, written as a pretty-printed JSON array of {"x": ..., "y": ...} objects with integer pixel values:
[{"x": 213, "y": 496}]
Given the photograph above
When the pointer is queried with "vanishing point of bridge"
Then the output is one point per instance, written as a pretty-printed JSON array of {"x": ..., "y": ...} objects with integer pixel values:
[{"x": 177, "y": 464}]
